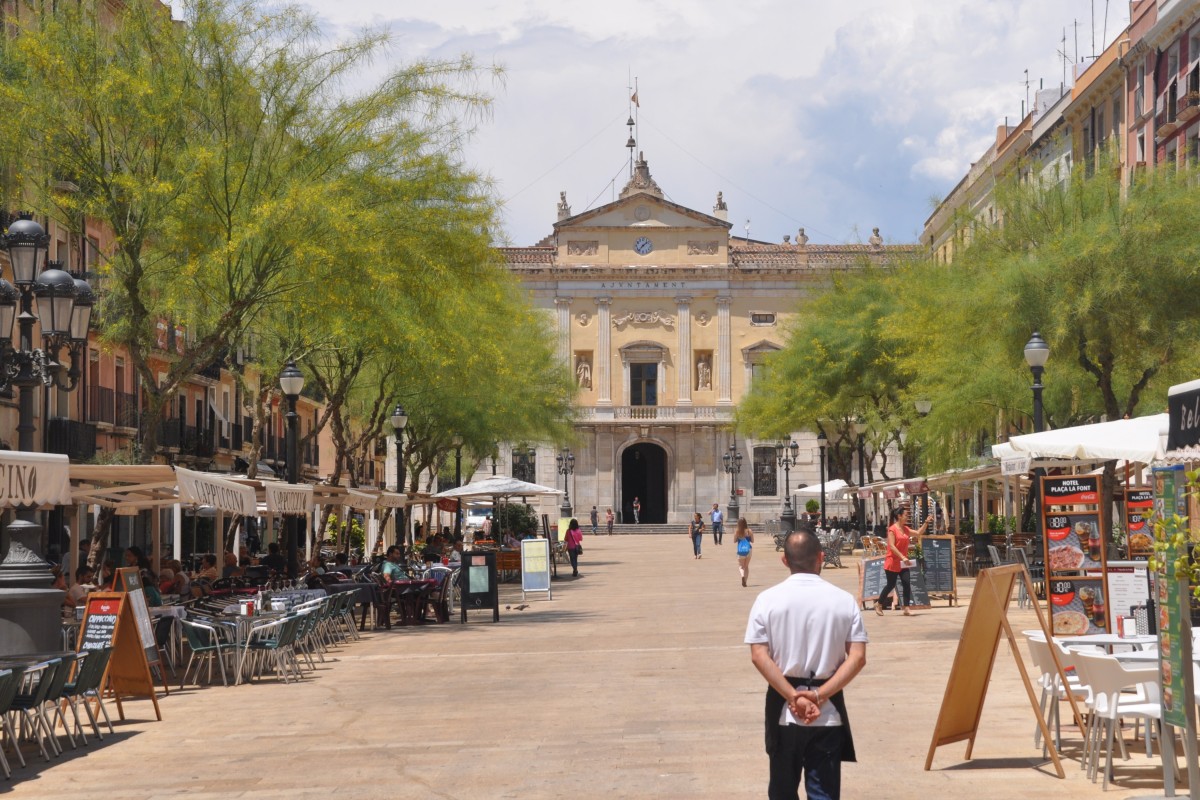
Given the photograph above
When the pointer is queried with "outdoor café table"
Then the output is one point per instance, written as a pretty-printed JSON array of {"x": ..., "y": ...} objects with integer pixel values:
[
  {"x": 245, "y": 625},
  {"x": 1143, "y": 656},
  {"x": 412, "y": 593},
  {"x": 1107, "y": 640},
  {"x": 26, "y": 659}
]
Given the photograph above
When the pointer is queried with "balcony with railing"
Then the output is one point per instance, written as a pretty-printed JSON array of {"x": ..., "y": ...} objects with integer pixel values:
[
  {"x": 1167, "y": 121},
  {"x": 127, "y": 410},
  {"x": 101, "y": 406},
  {"x": 670, "y": 414},
  {"x": 74, "y": 439},
  {"x": 170, "y": 434}
]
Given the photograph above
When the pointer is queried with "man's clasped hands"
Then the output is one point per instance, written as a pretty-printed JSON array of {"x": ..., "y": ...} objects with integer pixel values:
[{"x": 805, "y": 705}]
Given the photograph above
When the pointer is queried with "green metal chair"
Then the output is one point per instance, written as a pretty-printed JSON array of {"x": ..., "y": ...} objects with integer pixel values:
[
  {"x": 10, "y": 684},
  {"x": 206, "y": 645},
  {"x": 86, "y": 688}
]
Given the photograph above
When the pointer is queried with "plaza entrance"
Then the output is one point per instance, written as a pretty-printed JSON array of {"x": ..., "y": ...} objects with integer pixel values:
[{"x": 644, "y": 476}]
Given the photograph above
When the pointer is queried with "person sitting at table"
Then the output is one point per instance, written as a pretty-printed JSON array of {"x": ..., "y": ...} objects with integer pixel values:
[
  {"x": 392, "y": 568},
  {"x": 108, "y": 573},
  {"x": 60, "y": 582},
  {"x": 341, "y": 563},
  {"x": 456, "y": 551},
  {"x": 274, "y": 559},
  {"x": 150, "y": 588},
  {"x": 83, "y": 584},
  {"x": 166, "y": 581},
  {"x": 510, "y": 540},
  {"x": 433, "y": 548},
  {"x": 231, "y": 569},
  {"x": 208, "y": 568}
]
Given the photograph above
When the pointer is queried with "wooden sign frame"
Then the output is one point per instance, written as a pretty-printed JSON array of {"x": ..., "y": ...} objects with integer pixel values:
[
  {"x": 129, "y": 580},
  {"x": 971, "y": 672},
  {"x": 863, "y": 598},
  {"x": 128, "y": 672},
  {"x": 952, "y": 597}
]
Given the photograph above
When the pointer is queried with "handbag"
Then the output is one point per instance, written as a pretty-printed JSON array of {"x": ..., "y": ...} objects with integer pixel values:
[{"x": 743, "y": 547}]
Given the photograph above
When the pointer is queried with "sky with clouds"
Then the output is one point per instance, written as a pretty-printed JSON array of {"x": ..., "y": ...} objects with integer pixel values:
[{"x": 833, "y": 116}]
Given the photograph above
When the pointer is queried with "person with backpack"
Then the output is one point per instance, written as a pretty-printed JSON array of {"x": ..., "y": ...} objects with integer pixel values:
[{"x": 744, "y": 539}]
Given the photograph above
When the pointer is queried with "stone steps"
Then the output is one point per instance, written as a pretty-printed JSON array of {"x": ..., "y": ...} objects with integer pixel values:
[{"x": 640, "y": 530}]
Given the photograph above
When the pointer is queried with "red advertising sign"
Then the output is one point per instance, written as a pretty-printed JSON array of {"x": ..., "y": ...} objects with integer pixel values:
[
  {"x": 1071, "y": 491},
  {"x": 1139, "y": 504},
  {"x": 448, "y": 505}
]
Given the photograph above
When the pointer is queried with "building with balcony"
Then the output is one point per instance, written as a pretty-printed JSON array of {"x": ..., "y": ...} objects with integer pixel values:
[{"x": 665, "y": 319}]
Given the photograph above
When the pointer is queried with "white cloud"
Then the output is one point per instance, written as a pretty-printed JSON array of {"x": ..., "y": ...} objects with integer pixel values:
[{"x": 838, "y": 117}]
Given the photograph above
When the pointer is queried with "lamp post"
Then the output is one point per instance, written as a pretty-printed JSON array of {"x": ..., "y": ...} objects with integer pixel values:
[
  {"x": 495, "y": 454},
  {"x": 860, "y": 429},
  {"x": 786, "y": 454},
  {"x": 291, "y": 382},
  {"x": 399, "y": 422},
  {"x": 732, "y": 462},
  {"x": 458, "y": 443},
  {"x": 822, "y": 443},
  {"x": 525, "y": 464},
  {"x": 924, "y": 405},
  {"x": 29, "y": 608},
  {"x": 566, "y": 465},
  {"x": 1037, "y": 352}
]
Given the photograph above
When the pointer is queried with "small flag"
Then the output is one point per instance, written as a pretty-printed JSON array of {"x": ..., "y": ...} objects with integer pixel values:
[{"x": 634, "y": 99}]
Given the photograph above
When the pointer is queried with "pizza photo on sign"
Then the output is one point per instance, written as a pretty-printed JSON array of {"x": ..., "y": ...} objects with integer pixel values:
[
  {"x": 1071, "y": 623},
  {"x": 1141, "y": 541},
  {"x": 1066, "y": 558}
]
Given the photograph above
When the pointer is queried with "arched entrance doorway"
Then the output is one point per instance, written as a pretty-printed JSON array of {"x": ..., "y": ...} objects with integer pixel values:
[{"x": 644, "y": 476}]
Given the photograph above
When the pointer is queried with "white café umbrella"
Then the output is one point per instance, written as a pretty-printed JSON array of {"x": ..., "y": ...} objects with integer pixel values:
[
  {"x": 498, "y": 486},
  {"x": 834, "y": 490}
]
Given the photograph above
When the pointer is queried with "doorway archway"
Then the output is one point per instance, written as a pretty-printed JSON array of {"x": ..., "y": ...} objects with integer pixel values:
[{"x": 644, "y": 476}]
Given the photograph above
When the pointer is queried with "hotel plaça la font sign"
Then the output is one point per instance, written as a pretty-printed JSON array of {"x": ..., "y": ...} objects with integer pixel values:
[
  {"x": 294, "y": 499},
  {"x": 200, "y": 489},
  {"x": 34, "y": 479}
]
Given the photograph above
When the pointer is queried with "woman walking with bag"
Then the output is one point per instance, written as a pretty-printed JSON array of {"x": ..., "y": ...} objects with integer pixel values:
[
  {"x": 574, "y": 542},
  {"x": 744, "y": 539},
  {"x": 896, "y": 564},
  {"x": 696, "y": 531},
  {"x": 608, "y": 519}
]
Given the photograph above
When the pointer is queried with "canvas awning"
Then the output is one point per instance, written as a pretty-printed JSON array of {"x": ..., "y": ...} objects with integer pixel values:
[
  {"x": 833, "y": 489},
  {"x": 34, "y": 479},
  {"x": 363, "y": 501},
  {"x": 288, "y": 499},
  {"x": 202, "y": 489},
  {"x": 125, "y": 487},
  {"x": 1137, "y": 439},
  {"x": 497, "y": 486}
]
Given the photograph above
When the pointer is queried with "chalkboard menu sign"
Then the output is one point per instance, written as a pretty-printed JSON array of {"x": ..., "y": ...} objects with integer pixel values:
[
  {"x": 131, "y": 580},
  {"x": 477, "y": 583},
  {"x": 870, "y": 579},
  {"x": 940, "y": 577},
  {"x": 920, "y": 595},
  {"x": 100, "y": 622}
]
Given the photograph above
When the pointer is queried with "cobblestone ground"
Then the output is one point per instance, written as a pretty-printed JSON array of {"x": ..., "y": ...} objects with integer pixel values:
[{"x": 631, "y": 683}]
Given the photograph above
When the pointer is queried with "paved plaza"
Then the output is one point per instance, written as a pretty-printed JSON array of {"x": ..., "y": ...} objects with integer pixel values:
[{"x": 631, "y": 683}]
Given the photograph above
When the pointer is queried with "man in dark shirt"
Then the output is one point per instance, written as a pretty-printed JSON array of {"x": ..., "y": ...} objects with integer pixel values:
[{"x": 274, "y": 559}]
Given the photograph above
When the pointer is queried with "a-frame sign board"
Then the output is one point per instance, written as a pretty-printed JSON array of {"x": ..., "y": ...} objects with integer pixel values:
[
  {"x": 129, "y": 580},
  {"x": 987, "y": 619},
  {"x": 108, "y": 621}
]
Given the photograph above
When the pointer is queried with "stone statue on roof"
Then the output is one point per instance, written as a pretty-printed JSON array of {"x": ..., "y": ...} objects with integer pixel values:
[
  {"x": 876, "y": 241},
  {"x": 801, "y": 237},
  {"x": 720, "y": 206},
  {"x": 564, "y": 210}
]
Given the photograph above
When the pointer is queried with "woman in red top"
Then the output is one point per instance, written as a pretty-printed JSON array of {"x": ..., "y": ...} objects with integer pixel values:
[{"x": 896, "y": 563}]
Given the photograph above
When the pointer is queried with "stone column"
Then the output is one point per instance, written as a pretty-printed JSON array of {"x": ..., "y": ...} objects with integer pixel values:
[
  {"x": 563, "y": 305},
  {"x": 602, "y": 369},
  {"x": 724, "y": 364},
  {"x": 683, "y": 359}
]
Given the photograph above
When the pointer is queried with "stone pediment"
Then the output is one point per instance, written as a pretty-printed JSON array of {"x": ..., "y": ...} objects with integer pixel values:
[{"x": 641, "y": 211}]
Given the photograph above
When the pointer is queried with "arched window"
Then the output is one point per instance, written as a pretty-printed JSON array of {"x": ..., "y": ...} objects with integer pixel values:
[{"x": 765, "y": 483}]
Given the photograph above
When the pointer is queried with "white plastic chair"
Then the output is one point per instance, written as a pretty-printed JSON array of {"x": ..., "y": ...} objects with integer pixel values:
[
  {"x": 1053, "y": 692},
  {"x": 1107, "y": 677}
]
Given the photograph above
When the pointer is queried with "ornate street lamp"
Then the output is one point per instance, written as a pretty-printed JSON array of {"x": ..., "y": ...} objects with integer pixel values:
[
  {"x": 1037, "y": 353},
  {"x": 732, "y": 462},
  {"x": 822, "y": 443},
  {"x": 524, "y": 466},
  {"x": 291, "y": 383},
  {"x": 924, "y": 405},
  {"x": 860, "y": 430},
  {"x": 458, "y": 443},
  {"x": 28, "y": 605},
  {"x": 399, "y": 422},
  {"x": 565, "y": 462},
  {"x": 786, "y": 454}
]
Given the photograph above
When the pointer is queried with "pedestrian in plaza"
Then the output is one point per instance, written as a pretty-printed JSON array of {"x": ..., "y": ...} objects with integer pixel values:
[
  {"x": 808, "y": 641},
  {"x": 718, "y": 523},
  {"x": 596, "y": 521},
  {"x": 574, "y": 542},
  {"x": 637, "y": 511},
  {"x": 609, "y": 517},
  {"x": 896, "y": 564},
  {"x": 743, "y": 539},
  {"x": 696, "y": 531}
]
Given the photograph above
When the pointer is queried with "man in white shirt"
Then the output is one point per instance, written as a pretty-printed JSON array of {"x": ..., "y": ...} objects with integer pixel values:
[
  {"x": 718, "y": 523},
  {"x": 807, "y": 639}
]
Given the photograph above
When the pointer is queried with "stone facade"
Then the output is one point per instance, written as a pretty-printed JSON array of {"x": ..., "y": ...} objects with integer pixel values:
[{"x": 663, "y": 317}]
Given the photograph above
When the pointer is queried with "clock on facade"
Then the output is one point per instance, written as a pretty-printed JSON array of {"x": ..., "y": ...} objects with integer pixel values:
[{"x": 643, "y": 245}]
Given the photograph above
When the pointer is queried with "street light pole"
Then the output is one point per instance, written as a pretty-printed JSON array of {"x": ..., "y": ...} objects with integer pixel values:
[
  {"x": 787, "y": 457},
  {"x": 458, "y": 442},
  {"x": 1037, "y": 352},
  {"x": 860, "y": 428},
  {"x": 29, "y": 608},
  {"x": 732, "y": 462},
  {"x": 822, "y": 443},
  {"x": 566, "y": 465},
  {"x": 399, "y": 421},
  {"x": 924, "y": 405},
  {"x": 291, "y": 381}
]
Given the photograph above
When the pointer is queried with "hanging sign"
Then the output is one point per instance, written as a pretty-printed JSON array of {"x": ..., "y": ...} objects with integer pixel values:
[
  {"x": 363, "y": 501},
  {"x": 34, "y": 479},
  {"x": 200, "y": 489},
  {"x": 391, "y": 500},
  {"x": 1080, "y": 490},
  {"x": 1183, "y": 409},
  {"x": 294, "y": 499},
  {"x": 1016, "y": 465}
]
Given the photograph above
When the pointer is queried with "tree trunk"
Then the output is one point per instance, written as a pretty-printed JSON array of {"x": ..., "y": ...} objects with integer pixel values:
[{"x": 99, "y": 540}]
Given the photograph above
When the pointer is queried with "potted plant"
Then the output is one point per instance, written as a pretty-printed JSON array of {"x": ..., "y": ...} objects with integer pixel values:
[{"x": 813, "y": 508}]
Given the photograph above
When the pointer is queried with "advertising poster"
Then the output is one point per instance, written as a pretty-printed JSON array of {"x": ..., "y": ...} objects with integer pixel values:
[
  {"x": 1074, "y": 543},
  {"x": 1078, "y": 606},
  {"x": 1079, "y": 490},
  {"x": 1139, "y": 506}
]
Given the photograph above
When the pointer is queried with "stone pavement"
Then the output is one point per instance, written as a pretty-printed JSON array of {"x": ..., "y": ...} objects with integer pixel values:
[{"x": 632, "y": 683}]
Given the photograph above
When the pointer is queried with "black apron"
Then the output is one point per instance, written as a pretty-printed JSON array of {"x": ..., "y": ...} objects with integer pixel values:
[{"x": 775, "y": 704}]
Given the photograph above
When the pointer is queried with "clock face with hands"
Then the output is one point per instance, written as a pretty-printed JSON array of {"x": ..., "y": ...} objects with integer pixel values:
[{"x": 643, "y": 245}]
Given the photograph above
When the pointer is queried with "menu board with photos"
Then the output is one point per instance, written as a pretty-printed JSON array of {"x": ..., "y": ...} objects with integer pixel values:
[
  {"x": 1139, "y": 508},
  {"x": 1074, "y": 542},
  {"x": 1078, "y": 606}
]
